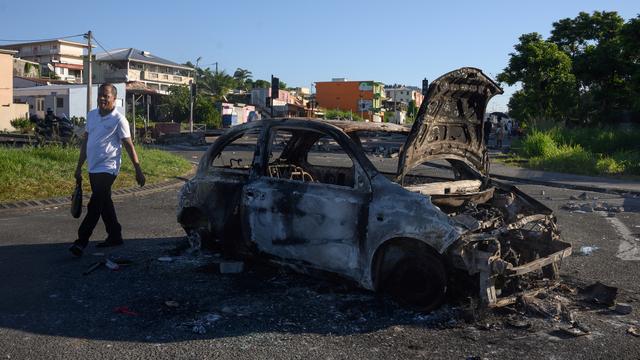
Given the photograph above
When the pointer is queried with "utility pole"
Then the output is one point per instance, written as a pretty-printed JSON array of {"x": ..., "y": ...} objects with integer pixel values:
[
  {"x": 190, "y": 106},
  {"x": 192, "y": 93},
  {"x": 89, "y": 73}
]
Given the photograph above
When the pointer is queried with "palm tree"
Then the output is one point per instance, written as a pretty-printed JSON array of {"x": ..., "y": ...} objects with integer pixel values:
[{"x": 242, "y": 77}]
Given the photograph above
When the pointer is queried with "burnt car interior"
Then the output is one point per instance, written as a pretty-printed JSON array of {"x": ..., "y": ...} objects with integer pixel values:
[
  {"x": 298, "y": 154},
  {"x": 237, "y": 154}
]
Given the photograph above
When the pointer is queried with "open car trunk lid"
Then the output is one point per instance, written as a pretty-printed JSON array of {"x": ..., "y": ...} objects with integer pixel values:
[{"x": 449, "y": 124}]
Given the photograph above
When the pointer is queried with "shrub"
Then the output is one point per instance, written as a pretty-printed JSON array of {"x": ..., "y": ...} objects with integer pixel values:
[
  {"x": 78, "y": 120},
  {"x": 567, "y": 158},
  {"x": 609, "y": 166},
  {"x": 591, "y": 151},
  {"x": 22, "y": 124},
  {"x": 342, "y": 115},
  {"x": 538, "y": 143}
]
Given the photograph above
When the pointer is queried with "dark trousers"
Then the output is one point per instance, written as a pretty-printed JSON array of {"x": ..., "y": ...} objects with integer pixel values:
[{"x": 100, "y": 204}]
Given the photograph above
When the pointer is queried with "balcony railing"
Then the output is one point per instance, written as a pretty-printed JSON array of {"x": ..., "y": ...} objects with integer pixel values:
[{"x": 162, "y": 77}]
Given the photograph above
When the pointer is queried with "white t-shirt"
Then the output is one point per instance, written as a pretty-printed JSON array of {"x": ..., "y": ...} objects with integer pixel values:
[{"x": 104, "y": 145}]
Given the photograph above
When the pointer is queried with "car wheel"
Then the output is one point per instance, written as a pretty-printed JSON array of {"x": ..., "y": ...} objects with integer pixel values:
[{"x": 417, "y": 280}]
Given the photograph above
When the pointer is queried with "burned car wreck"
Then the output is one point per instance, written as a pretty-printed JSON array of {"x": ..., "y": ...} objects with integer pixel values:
[{"x": 359, "y": 200}]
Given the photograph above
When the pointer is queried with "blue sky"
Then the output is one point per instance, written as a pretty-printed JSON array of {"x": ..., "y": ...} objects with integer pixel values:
[{"x": 306, "y": 41}]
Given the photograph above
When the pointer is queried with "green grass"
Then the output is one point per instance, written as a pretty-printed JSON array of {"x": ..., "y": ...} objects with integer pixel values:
[
  {"x": 39, "y": 173},
  {"x": 587, "y": 151}
]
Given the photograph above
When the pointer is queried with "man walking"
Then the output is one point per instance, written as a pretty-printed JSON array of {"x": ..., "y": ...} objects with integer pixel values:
[{"x": 106, "y": 132}]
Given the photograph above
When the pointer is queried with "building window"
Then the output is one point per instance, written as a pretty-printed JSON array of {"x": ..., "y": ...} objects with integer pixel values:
[
  {"x": 177, "y": 78},
  {"x": 59, "y": 102},
  {"x": 39, "y": 104},
  {"x": 165, "y": 77}
]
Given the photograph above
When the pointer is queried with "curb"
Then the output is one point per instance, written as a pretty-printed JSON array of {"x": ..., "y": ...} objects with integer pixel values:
[
  {"x": 567, "y": 186},
  {"x": 116, "y": 194},
  {"x": 554, "y": 184}
]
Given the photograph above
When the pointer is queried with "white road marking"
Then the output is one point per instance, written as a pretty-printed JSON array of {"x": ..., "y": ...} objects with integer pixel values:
[{"x": 629, "y": 248}]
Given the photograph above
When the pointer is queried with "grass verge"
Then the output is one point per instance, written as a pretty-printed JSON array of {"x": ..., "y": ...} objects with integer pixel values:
[
  {"x": 592, "y": 151},
  {"x": 45, "y": 172}
]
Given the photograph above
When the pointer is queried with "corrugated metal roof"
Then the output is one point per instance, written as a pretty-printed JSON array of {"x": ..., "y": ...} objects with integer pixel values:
[{"x": 133, "y": 54}]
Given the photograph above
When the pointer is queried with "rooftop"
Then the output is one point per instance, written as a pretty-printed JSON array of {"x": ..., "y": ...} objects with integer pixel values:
[
  {"x": 133, "y": 54},
  {"x": 46, "y": 42}
]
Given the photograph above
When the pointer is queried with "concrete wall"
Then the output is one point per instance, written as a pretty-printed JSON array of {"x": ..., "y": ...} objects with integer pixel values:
[
  {"x": 6, "y": 79},
  {"x": 11, "y": 112},
  {"x": 72, "y": 50}
]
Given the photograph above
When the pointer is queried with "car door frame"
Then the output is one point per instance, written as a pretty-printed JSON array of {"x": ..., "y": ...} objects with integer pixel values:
[{"x": 360, "y": 192}]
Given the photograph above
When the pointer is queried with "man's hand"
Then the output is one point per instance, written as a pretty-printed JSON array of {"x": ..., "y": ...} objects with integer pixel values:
[
  {"x": 131, "y": 150},
  {"x": 140, "y": 179}
]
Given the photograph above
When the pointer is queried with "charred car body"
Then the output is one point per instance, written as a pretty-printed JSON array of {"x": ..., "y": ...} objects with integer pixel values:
[{"x": 313, "y": 195}]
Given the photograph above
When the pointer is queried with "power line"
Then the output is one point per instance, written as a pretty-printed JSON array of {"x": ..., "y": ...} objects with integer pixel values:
[
  {"x": 34, "y": 40},
  {"x": 101, "y": 47}
]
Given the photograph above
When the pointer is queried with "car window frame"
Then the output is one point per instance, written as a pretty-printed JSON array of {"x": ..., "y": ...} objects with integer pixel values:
[
  {"x": 360, "y": 171},
  {"x": 206, "y": 166}
]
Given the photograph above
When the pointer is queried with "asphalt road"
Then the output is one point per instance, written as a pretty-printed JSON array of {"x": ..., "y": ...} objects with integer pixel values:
[{"x": 186, "y": 309}]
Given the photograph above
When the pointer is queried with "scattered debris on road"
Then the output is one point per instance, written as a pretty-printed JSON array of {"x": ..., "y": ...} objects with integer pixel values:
[
  {"x": 586, "y": 207},
  {"x": 623, "y": 308},
  {"x": 633, "y": 331},
  {"x": 172, "y": 303},
  {"x": 599, "y": 293},
  {"x": 125, "y": 311},
  {"x": 587, "y": 250},
  {"x": 200, "y": 325}
]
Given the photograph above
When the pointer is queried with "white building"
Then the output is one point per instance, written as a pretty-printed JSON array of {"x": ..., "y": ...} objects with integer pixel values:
[
  {"x": 70, "y": 100},
  {"x": 130, "y": 64},
  {"x": 62, "y": 57},
  {"x": 403, "y": 94}
]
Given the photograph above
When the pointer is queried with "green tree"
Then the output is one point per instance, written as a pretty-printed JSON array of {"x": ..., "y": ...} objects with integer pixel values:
[
  {"x": 630, "y": 44},
  {"x": 261, "y": 84},
  {"x": 593, "y": 43},
  {"x": 243, "y": 78},
  {"x": 176, "y": 107},
  {"x": 544, "y": 72},
  {"x": 216, "y": 84}
]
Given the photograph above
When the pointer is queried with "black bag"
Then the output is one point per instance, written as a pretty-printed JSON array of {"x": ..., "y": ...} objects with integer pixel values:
[{"x": 76, "y": 200}]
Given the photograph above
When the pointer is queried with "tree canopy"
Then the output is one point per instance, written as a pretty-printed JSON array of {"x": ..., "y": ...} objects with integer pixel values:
[{"x": 586, "y": 71}]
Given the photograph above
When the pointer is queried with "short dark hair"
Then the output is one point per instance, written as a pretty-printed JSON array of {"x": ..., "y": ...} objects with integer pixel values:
[{"x": 114, "y": 91}]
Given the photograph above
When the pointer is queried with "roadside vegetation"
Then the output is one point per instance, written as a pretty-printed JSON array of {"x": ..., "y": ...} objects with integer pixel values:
[
  {"x": 45, "y": 172},
  {"x": 334, "y": 114},
  {"x": 577, "y": 87},
  {"x": 588, "y": 151}
]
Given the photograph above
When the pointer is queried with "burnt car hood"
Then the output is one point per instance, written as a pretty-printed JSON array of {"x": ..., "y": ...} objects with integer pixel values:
[{"x": 449, "y": 124}]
